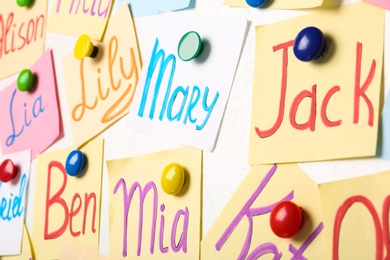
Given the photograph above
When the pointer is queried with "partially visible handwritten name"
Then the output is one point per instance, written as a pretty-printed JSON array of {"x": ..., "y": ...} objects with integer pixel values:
[{"x": 11, "y": 207}]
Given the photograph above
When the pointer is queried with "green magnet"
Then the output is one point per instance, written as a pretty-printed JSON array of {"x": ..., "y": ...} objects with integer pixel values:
[
  {"x": 26, "y": 80},
  {"x": 23, "y": 3},
  {"x": 190, "y": 46}
]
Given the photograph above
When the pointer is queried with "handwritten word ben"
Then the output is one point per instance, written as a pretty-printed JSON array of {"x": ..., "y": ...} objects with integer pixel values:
[
  {"x": 249, "y": 212},
  {"x": 69, "y": 212},
  {"x": 358, "y": 94},
  {"x": 174, "y": 104},
  {"x": 143, "y": 192}
]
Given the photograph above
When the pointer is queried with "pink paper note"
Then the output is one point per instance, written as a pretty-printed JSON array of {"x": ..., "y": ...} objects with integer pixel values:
[
  {"x": 381, "y": 3},
  {"x": 30, "y": 120}
]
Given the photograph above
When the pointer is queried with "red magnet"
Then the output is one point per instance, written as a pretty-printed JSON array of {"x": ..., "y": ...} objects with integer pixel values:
[
  {"x": 286, "y": 219},
  {"x": 8, "y": 170}
]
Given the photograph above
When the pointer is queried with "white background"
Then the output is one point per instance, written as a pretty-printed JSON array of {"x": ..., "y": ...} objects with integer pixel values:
[{"x": 225, "y": 168}]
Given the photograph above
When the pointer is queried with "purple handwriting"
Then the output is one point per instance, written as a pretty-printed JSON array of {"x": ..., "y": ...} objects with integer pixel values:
[
  {"x": 249, "y": 212},
  {"x": 91, "y": 9},
  {"x": 150, "y": 187}
]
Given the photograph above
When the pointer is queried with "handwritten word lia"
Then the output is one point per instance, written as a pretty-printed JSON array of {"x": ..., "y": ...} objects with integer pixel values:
[{"x": 30, "y": 113}]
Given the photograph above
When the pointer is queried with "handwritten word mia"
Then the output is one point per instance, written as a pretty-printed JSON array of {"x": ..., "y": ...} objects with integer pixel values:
[{"x": 143, "y": 192}]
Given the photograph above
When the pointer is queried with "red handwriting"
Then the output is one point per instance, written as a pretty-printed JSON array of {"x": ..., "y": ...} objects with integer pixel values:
[
  {"x": 123, "y": 102},
  {"x": 359, "y": 94},
  {"x": 69, "y": 213},
  {"x": 381, "y": 233},
  {"x": 14, "y": 37}
]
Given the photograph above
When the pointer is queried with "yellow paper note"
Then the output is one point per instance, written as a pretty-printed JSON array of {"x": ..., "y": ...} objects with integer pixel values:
[
  {"x": 26, "y": 253},
  {"x": 356, "y": 213},
  {"x": 67, "y": 207},
  {"x": 78, "y": 17},
  {"x": 100, "y": 90},
  {"x": 72, "y": 251},
  {"x": 242, "y": 230},
  {"x": 324, "y": 109},
  {"x": 279, "y": 4},
  {"x": 22, "y": 36},
  {"x": 144, "y": 220}
]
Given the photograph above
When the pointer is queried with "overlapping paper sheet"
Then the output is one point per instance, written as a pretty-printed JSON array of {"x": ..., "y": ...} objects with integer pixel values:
[
  {"x": 67, "y": 207},
  {"x": 100, "y": 90},
  {"x": 145, "y": 221},
  {"x": 242, "y": 230},
  {"x": 13, "y": 197},
  {"x": 185, "y": 101},
  {"x": 324, "y": 109},
  {"x": 23, "y": 35},
  {"x": 80, "y": 17},
  {"x": 31, "y": 120}
]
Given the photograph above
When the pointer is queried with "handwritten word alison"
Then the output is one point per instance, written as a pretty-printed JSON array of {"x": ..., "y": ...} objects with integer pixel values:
[
  {"x": 182, "y": 102},
  {"x": 80, "y": 208},
  {"x": 150, "y": 188},
  {"x": 15, "y": 36},
  {"x": 248, "y": 213},
  {"x": 25, "y": 116},
  {"x": 315, "y": 104},
  {"x": 12, "y": 207},
  {"x": 126, "y": 85}
]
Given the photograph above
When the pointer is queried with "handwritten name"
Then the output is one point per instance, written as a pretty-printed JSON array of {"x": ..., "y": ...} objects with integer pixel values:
[
  {"x": 150, "y": 187},
  {"x": 88, "y": 7},
  {"x": 29, "y": 114},
  {"x": 99, "y": 94},
  {"x": 14, "y": 37},
  {"x": 358, "y": 94},
  {"x": 248, "y": 212},
  {"x": 182, "y": 102},
  {"x": 12, "y": 207},
  {"x": 68, "y": 213}
]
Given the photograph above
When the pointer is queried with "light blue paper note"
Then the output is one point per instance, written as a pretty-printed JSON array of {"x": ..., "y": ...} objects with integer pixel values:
[{"x": 150, "y": 7}]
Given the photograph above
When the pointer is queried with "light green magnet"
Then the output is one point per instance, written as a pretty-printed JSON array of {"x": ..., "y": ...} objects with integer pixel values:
[{"x": 190, "y": 46}]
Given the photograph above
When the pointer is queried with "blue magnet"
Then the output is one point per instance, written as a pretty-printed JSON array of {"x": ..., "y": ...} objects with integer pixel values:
[
  {"x": 256, "y": 3},
  {"x": 309, "y": 44},
  {"x": 74, "y": 163}
]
